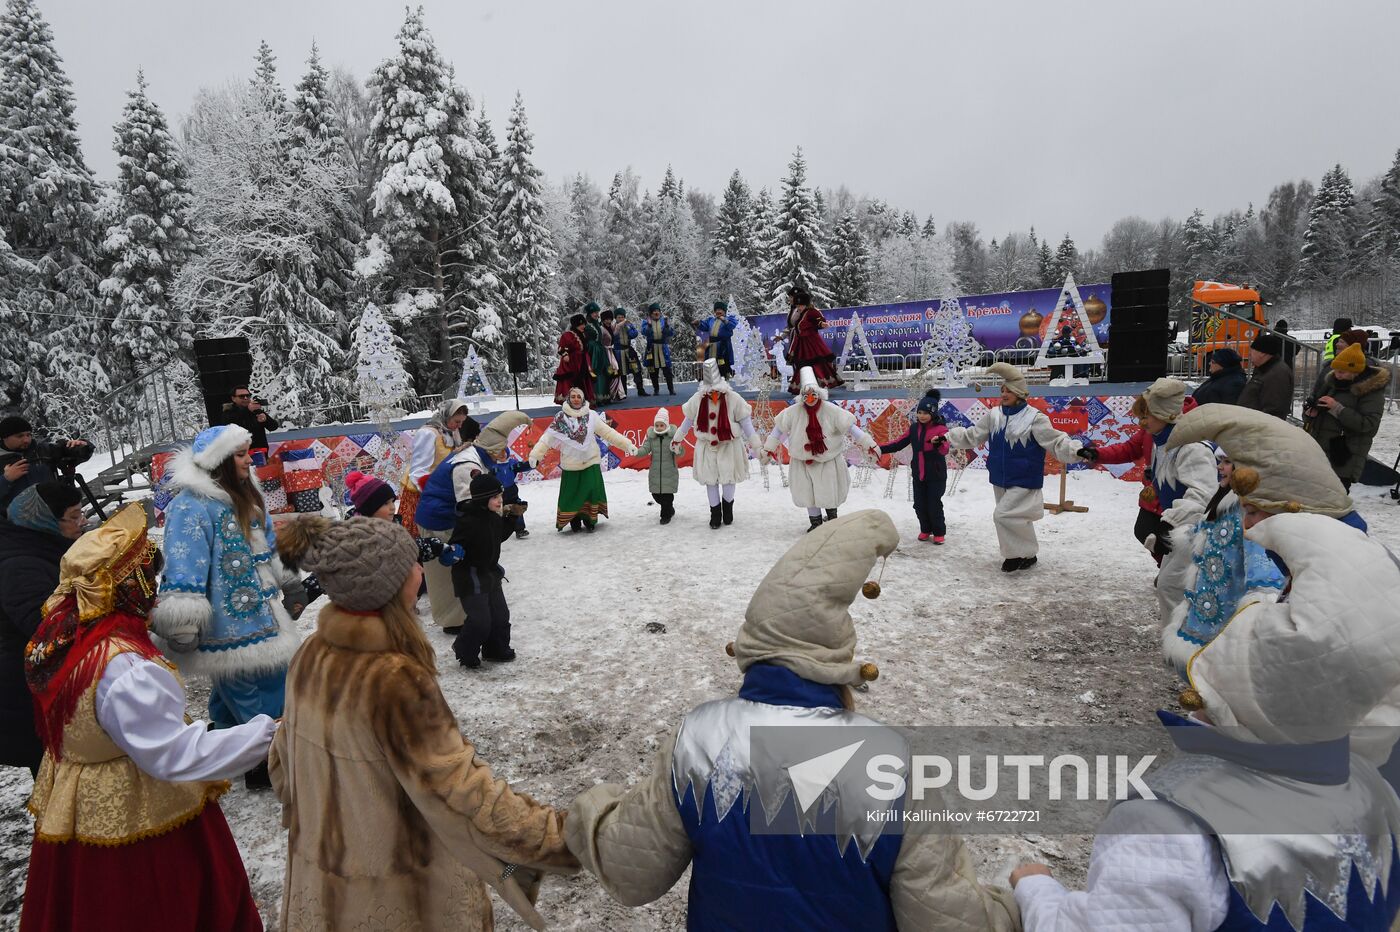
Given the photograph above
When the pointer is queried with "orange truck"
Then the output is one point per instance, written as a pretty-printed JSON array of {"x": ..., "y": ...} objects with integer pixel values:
[{"x": 1211, "y": 329}]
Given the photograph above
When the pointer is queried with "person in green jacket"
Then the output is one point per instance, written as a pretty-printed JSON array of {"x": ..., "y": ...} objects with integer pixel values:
[
  {"x": 1330, "y": 349},
  {"x": 663, "y": 477},
  {"x": 1348, "y": 411}
]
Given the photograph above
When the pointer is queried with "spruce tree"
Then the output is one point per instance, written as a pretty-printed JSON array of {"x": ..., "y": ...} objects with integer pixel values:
[
  {"x": 1045, "y": 266},
  {"x": 734, "y": 233},
  {"x": 48, "y": 211},
  {"x": 929, "y": 230},
  {"x": 148, "y": 242},
  {"x": 1331, "y": 237},
  {"x": 798, "y": 258},
  {"x": 526, "y": 246},
  {"x": 850, "y": 265},
  {"x": 622, "y": 253},
  {"x": 669, "y": 186},
  {"x": 765, "y": 232},
  {"x": 582, "y": 260},
  {"x": 1066, "y": 261},
  {"x": 1381, "y": 242},
  {"x": 266, "y": 87}
]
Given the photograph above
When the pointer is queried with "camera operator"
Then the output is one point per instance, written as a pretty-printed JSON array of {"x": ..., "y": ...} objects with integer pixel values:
[
  {"x": 27, "y": 461},
  {"x": 248, "y": 413}
]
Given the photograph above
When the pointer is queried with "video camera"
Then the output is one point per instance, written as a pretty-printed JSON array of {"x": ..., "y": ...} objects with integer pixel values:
[{"x": 55, "y": 453}]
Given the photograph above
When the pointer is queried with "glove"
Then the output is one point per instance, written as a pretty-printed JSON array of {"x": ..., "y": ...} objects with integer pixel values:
[
  {"x": 429, "y": 548},
  {"x": 183, "y": 643},
  {"x": 295, "y": 598},
  {"x": 1087, "y": 452},
  {"x": 1163, "y": 544},
  {"x": 451, "y": 553},
  {"x": 677, "y": 447},
  {"x": 514, "y": 510},
  {"x": 521, "y": 466}
]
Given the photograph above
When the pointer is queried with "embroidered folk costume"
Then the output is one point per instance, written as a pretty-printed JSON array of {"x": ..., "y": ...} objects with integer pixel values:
[{"x": 574, "y": 432}]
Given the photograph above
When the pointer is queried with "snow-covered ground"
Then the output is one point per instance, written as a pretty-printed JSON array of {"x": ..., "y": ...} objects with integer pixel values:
[{"x": 957, "y": 642}]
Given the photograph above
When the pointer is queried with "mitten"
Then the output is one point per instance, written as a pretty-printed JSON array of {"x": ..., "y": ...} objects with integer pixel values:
[
  {"x": 451, "y": 553},
  {"x": 1087, "y": 452},
  {"x": 429, "y": 548}
]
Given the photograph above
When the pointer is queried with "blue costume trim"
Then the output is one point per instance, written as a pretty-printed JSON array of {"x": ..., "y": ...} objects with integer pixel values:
[{"x": 1324, "y": 763}]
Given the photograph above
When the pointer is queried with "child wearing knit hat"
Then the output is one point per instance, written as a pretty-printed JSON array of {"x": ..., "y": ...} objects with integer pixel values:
[
  {"x": 663, "y": 478},
  {"x": 928, "y": 434},
  {"x": 484, "y": 522}
]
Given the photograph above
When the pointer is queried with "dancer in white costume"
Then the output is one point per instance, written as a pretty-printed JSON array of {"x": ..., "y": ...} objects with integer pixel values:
[
  {"x": 815, "y": 431},
  {"x": 723, "y": 428}
]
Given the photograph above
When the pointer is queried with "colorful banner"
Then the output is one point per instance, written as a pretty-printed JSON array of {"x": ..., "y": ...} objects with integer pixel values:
[
  {"x": 1007, "y": 320},
  {"x": 1103, "y": 419}
]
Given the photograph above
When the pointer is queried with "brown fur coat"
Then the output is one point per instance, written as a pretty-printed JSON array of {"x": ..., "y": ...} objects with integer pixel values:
[{"x": 393, "y": 821}]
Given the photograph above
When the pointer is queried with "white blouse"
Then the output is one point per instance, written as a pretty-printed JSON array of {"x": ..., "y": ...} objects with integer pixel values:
[{"x": 141, "y": 706}]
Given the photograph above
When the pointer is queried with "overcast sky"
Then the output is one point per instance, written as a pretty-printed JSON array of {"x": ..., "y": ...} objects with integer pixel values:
[{"x": 1065, "y": 115}]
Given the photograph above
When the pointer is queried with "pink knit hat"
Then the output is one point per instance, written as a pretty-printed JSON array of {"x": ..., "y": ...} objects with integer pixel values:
[{"x": 367, "y": 493}]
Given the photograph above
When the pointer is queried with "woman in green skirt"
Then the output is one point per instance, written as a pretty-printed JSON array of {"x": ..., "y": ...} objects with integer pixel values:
[{"x": 574, "y": 432}]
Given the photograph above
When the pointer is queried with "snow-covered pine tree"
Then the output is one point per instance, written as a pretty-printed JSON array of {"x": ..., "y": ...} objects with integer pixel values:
[
  {"x": 929, "y": 229},
  {"x": 798, "y": 258},
  {"x": 1045, "y": 265},
  {"x": 1066, "y": 259},
  {"x": 1381, "y": 241},
  {"x": 317, "y": 135},
  {"x": 765, "y": 231},
  {"x": 912, "y": 268},
  {"x": 526, "y": 247},
  {"x": 148, "y": 241},
  {"x": 582, "y": 257},
  {"x": 48, "y": 214},
  {"x": 672, "y": 256},
  {"x": 622, "y": 253},
  {"x": 850, "y": 265},
  {"x": 669, "y": 186},
  {"x": 254, "y": 273},
  {"x": 266, "y": 87},
  {"x": 1330, "y": 239},
  {"x": 734, "y": 230}
]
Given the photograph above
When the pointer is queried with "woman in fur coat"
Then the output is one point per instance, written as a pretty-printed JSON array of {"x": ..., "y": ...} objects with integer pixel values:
[
  {"x": 220, "y": 611},
  {"x": 394, "y": 820},
  {"x": 574, "y": 432},
  {"x": 815, "y": 431}
]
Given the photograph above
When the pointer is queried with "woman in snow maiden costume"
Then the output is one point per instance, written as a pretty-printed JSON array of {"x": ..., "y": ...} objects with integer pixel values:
[
  {"x": 220, "y": 612},
  {"x": 574, "y": 432},
  {"x": 928, "y": 435},
  {"x": 663, "y": 478},
  {"x": 394, "y": 821},
  {"x": 432, "y": 443},
  {"x": 815, "y": 431},
  {"x": 723, "y": 434},
  {"x": 1278, "y": 818},
  {"x": 805, "y": 346},
  {"x": 796, "y": 651},
  {"x": 128, "y": 833},
  {"x": 1018, "y": 437}
]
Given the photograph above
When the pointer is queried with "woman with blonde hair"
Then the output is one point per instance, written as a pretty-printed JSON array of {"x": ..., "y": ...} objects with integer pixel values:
[{"x": 391, "y": 813}]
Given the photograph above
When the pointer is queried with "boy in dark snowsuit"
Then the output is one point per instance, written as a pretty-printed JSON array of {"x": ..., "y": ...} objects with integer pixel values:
[
  {"x": 928, "y": 435},
  {"x": 484, "y": 521}
]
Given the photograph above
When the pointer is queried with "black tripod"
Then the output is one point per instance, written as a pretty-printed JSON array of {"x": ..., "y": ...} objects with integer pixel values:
[{"x": 69, "y": 472}]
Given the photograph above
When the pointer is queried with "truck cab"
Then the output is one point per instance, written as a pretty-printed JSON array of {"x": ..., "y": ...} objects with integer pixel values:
[{"x": 1223, "y": 315}]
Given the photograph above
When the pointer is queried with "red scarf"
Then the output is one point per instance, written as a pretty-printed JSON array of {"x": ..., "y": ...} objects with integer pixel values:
[
  {"x": 816, "y": 437},
  {"x": 722, "y": 430},
  {"x": 66, "y": 656}
]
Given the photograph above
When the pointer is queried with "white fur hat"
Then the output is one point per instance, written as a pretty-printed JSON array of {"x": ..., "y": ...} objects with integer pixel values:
[{"x": 216, "y": 444}]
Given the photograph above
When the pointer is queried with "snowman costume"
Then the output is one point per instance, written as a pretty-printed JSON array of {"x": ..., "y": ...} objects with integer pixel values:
[{"x": 724, "y": 432}]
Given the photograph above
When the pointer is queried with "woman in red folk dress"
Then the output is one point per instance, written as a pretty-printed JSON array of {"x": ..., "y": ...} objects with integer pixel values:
[
  {"x": 574, "y": 370},
  {"x": 806, "y": 348},
  {"x": 128, "y": 834}
]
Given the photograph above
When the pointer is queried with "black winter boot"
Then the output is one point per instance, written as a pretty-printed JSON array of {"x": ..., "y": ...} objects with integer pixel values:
[
  {"x": 816, "y": 522},
  {"x": 257, "y": 778},
  {"x": 1027, "y": 562},
  {"x": 641, "y": 386},
  {"x": 727, "y": 508},
  {"x": 655, "y": 382},
  {"x": 670, "y": 385},
  {"x": 831, "y": 514},
  {"x": 1011, "y": 564},
  {"x": 716, "y": 516}
]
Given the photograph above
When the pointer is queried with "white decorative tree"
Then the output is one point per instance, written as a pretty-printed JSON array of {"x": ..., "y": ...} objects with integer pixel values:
[
  {"x": 380, "y": 378},
  {"x": 950, "y": 346},
  {"x": 1069, "y": 310},
  {"x": 856, "y": 338},
  {"x": 474, "y": 386},
  {"x": 750, "y": 358}
]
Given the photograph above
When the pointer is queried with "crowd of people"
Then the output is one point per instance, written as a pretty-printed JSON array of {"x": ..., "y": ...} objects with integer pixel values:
[{"x": 1274, "y": 607}]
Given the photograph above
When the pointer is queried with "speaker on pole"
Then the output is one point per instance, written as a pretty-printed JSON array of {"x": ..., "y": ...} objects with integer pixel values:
[
  {"x": 224, "y": 363},
  {"x": 516, "y": 360}
]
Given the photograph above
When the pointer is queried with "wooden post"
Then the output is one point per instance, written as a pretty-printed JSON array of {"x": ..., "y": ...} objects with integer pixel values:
[{"x": 1064, "y": 504}]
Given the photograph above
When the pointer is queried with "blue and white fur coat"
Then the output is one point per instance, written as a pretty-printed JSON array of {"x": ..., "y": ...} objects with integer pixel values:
[{"x": 219, "y": 612}]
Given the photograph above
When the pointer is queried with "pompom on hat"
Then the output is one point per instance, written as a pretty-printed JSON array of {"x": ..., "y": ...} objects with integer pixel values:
[
  {"x": 1012, "y": 379},
  {"x": 1352, "y": 359},
  {"x": 361, "y": 562},
  {"x": 216, "y": 444},
  {"x": 929, "y": 402},
  {"x": 1279, "y": 468},
  {"x": 367, "y": 493},
  {"x": 799, "y": 617}
]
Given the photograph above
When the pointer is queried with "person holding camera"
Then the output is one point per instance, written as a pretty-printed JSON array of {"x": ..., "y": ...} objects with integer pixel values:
[
  {"x": 248, "y": 413},
  {"x": 26, "y": 461},
  {"x": 1345, "y": 413}
]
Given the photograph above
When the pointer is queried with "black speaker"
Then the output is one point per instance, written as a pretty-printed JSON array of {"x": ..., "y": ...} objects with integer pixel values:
[
  {"x": 1137, "y": 355},
  {"x": 516, "y": 360},
  {"x": 224, "y": 363},
  {"x": 1147, "y": 278}
]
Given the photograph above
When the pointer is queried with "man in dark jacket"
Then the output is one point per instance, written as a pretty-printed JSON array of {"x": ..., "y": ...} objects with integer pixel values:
[
  {"x": 1270, "y": 388},
  {"x": 1227, "y": 379},
  {"x": 44, "y": 520},
  {"x": 484, "y": 522},
  {"x": 26, "y": 461},
  {"x": 247, "y": 412}
]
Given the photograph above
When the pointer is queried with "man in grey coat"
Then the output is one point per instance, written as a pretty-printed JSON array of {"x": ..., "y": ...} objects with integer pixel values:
[{"x": 1270, "y": 387}]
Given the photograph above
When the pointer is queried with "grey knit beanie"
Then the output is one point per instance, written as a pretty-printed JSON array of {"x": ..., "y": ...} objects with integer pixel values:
[{"x": 361, "y": 563}]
